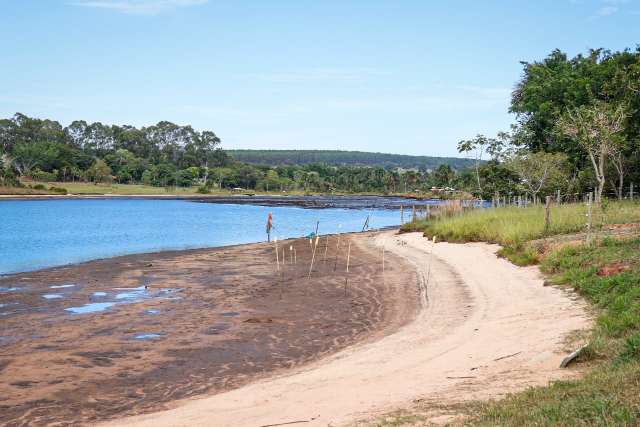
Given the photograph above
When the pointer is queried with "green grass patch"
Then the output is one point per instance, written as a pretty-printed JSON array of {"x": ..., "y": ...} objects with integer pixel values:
[
  {"x": 608, "y": 275},
  {"x": 514, "y": 228}
]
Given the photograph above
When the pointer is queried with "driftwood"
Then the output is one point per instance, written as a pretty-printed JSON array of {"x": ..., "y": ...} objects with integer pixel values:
[
  {"x": 289, "y": 423},
  {"x": 573, "y": 356},
  {"x": 508, "y": 355}
]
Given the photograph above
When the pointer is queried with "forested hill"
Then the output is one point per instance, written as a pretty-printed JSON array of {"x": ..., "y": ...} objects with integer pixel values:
[{"x": 346, "y": 158}]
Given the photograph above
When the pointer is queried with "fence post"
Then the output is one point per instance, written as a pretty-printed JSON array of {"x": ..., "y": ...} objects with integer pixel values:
[
  {"x": 589, "y": 216},
  {"x": 631, "y": 191},
  {"x": 558, "y": 198},
  {"x": 547, "y": 214},
  {"x": 401, "y": 215},
  {"x": 413, "y": 213}
]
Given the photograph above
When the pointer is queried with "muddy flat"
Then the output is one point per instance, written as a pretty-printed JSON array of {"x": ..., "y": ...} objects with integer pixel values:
[
  {"x": 130, "y": 335},
  {"x": 485, "y": 328}
]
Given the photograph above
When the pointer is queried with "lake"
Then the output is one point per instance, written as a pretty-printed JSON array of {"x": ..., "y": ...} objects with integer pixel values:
[{"x": 36, "y": 234}]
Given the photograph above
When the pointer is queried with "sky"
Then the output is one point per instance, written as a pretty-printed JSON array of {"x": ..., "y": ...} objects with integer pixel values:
[{"x": 403, "y": 76}]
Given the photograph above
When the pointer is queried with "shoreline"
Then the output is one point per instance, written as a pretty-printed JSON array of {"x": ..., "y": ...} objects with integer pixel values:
[
  {"x": 310, "y": 202},
  {"x": 174, "y": 252},
  {"x": 211, "y": 320},
  {"x": 440, "y": 358}
]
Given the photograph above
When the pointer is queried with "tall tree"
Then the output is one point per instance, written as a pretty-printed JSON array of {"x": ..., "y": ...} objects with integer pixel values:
[{"x": 596, "y": 128}]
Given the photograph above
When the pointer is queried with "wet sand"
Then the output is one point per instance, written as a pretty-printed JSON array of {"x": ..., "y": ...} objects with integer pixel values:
[
  {"x": 486, "y": 328},
  {"x": 210, "y": 321}
]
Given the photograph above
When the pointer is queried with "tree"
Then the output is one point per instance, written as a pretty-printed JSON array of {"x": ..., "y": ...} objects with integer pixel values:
[
  {"x": 99, "y": 172},
  {"x": 596, "y": 128},
  {"x": 443, "y": 176},
  {"x": 539, "y": 170},
  {"x": 478, "y": 146}
]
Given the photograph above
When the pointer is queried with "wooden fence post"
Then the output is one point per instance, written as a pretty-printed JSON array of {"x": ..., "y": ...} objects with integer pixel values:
[
  {"x": 558, "y": 198},
  {"x": 589, "y": 216},
  {"x": 547, "y": 214},
  {"x": 401, "y": 215}
]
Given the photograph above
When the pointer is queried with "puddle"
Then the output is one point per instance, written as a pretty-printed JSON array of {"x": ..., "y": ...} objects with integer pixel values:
[
  {"x": 90, "y": 308},
  {"x": 52, "y": 296},
  {"x": 231, "y": 314},
  {"x": 132, "y": 295},
  {"x": 152, "y": 311},
  {"x": 148, "y": 336},
  {"x": 140, "y": 293},
  {"x": 61, "y": 286}
]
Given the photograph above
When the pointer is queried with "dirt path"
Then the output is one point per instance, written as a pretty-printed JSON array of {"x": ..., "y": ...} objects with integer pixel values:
[{"x": 486, "y": 328}]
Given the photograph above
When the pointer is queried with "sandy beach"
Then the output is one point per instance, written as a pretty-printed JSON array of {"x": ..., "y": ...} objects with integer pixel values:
[
  {"x": 485, "y": 328},
  {"x": 220, "y": 339}
]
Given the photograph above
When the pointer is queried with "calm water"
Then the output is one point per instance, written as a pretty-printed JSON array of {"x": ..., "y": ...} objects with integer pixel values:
[{"x": 38, "y": 234}]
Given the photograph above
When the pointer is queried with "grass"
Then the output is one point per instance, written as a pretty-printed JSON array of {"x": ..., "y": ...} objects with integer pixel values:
[
  {"x": 20, "y": 191},
  {"x": 610, "y": 393},
  {"x": 513, "y": 227}
]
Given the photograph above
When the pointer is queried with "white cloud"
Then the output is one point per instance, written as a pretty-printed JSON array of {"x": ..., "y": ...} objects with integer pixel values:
[{"x": 142, "y": 7}]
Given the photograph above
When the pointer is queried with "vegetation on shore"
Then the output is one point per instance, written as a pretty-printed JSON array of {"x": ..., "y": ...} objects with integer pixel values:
[
  {"x": 515, "y": 228},
  {"x": 167, "y": 155},
  {"x": 606, "y": 272}
]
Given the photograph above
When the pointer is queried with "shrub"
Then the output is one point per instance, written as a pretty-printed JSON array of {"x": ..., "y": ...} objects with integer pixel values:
[{"x": 59, "y": 190}]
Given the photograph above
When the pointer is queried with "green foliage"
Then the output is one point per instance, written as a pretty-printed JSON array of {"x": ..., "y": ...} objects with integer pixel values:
[
  {"x": 345, "y": 158},
  {"x": 99, "y": 172},
  {"x": 38, "y": 175},
  {"x": 58, "y": 190}
]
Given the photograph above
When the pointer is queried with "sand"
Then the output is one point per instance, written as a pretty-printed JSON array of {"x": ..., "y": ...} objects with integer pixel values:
[
  {"x": 222, "y": 318},
  {"x": 486, "y": 328}
]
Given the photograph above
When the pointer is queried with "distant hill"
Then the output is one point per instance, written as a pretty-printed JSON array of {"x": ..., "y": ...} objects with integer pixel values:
[{"x": 345, "y": 158}]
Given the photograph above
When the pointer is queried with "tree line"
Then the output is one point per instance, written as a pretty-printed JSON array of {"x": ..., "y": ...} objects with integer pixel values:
[
  {"x": 346, "y": 158},
  {"x": 577, "y": 129},
  {"x": 170, "y": 155}
]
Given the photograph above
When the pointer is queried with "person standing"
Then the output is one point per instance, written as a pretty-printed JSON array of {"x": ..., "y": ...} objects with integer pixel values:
[{"x": 269, "y": 226}]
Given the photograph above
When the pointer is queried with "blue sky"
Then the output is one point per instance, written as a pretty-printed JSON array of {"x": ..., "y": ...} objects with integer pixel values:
[{"x": 410, "y": 77}]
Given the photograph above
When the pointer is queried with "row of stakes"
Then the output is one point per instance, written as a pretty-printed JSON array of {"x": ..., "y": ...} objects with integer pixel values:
[{"x": 313, "y": 243}]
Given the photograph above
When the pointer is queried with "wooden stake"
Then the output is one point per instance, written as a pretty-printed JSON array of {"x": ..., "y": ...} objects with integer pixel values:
[
  {"x": 326, "y": 248},
  {"x": 313, "y": 256},
  {"x": 401, "y": 215},
  {"x": 547, "y": 214},
  {"x": 277, "y": 255},
  {"x": 346, "y": 277},
  {"x": 335, "y": 264},
  {"x": 589, "y": 216}
]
